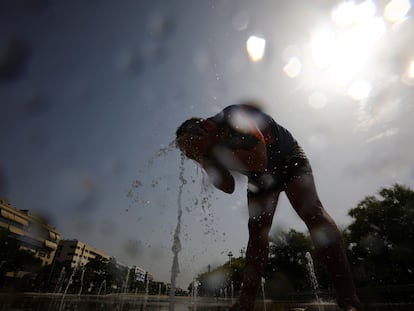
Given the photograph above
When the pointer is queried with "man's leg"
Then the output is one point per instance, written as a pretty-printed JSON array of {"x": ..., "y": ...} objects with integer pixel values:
[
  {"x": 261, "y": 210},
  {"x": 326, "y": 237}
]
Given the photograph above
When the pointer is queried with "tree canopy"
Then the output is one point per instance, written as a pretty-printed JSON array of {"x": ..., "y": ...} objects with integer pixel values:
[
  {"x": 379, "y": 241},
  {"x": 381, "y": 237}
]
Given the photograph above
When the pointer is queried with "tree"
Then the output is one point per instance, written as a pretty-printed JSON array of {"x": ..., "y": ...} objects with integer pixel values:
[
  {"x": 286, "y": 270},
  {"x": 14, "y": 259},
  {"x": 96, "y": 272},
  {"x": 381, "y": 237},
  {"x": 212, "y": 282}
]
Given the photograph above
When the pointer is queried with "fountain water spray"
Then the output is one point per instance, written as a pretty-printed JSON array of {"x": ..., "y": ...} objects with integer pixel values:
[
  {"x": 314, "y": 281},
  {"x": 176, "y": 247},
  {"x": 195, "y": 289},
  {"x": 100, "y": 287},
  {"x": 126, "y": 282},
  {"x": 81, "y": 281},
  {"x": 71, "y": 278},
  {"x": 67, "y": 287},
  {"x": 146, "y": 287},
  {"x": 263, "y": 293},
  {"x": 232, "y": 291},
  {"x": 59, "y": 283}
]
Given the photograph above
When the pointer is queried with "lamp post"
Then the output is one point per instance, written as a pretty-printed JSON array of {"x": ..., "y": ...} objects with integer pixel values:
[{"x": 230, "y": 254}]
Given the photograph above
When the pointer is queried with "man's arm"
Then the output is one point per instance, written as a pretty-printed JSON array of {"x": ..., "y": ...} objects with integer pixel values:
[{"x": 219, "y": 176}]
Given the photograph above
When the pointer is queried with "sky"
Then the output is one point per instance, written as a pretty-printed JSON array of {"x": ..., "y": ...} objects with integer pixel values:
[{"x": 91, "y": 93}]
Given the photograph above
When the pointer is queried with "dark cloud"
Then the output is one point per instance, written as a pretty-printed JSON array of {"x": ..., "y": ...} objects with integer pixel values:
[
  {"x": 3, "y": 182},
  {"x": 161, "y": 25},
  {"x": 32, "y": 7},
  {"x": 14, "y": 56},
  {"x": 37, "y": 104}
]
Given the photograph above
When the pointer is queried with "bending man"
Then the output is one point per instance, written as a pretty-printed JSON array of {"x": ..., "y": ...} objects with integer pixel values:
[{"x": 243, "y": 138}]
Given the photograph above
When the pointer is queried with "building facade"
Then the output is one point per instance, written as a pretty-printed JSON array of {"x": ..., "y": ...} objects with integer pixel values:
[
  {"x": 78, "y": 253},
  {"x": 32, "y": 232},
  {"x": 139, "y": 274}
]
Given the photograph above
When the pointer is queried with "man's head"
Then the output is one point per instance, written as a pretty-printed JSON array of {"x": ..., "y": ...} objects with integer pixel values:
[{"x": 186, "y": 133}]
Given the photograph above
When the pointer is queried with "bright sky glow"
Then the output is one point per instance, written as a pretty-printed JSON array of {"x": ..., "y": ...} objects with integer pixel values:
[
  {"x": 348, "y": 13},
  {"x": 388, "y": 133},
  {"x": 344, "y": 52},
  {"x": 360, "y": 90},
  {"x": 293, "y": 68},
  {"x": 396, "y": 10},
  {"x": 317, "y": 100},
  {"x": 364, "y": 11},
  {"x": 323, "y": 46},
  {"x": 255, "y": 47},
  {"x": 343, "y": 15},
  {"x": 411, "y": 70}
]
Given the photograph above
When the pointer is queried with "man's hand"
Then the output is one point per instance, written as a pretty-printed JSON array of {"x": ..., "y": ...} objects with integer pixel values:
[{"x": 220, "y": 177}]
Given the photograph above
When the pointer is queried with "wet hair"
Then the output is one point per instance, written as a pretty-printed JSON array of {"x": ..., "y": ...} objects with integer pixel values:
[
  {"x": 190, "y": 126},
  {"x": 252, "y": 103}
]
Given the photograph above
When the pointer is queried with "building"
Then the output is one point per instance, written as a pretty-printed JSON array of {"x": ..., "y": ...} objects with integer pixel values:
[
  {"x": 139, "y": 273},
  {"x": 78, "y": 253},
  {"x": 32, "y": 232}
]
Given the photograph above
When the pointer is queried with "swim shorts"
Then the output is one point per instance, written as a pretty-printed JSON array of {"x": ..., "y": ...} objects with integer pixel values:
[{"x": 280, "y": 173}]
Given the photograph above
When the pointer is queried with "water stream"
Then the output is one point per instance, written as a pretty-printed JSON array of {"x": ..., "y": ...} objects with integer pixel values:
[
  {"x": 59, "y": 284},
  {"x": 313, "y": 279},
  {"x": 263, "y": 293},
  {"x": 67, "y": 287},
  {"x": 103, "y": 284},
  {"x": 81, "y": 281},
  {"x": 176, "y": 247}
]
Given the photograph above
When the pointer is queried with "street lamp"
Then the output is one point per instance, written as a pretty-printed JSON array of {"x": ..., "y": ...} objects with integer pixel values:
[{"x": 230, "y": 254}]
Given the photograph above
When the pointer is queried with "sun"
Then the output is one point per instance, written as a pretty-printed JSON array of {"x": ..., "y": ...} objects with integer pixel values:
[{"x": 341, "y": 54}]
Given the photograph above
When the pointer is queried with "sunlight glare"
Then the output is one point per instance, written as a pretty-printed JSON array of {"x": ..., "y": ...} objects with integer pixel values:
[
  {"x": 255, "y": 47},
  {"x": 360, "y": 90},
  {"x": 317, "y": 100},
  {"x": 343, "y": 15},
  {"x": 408, "y": 76},
  {"x": 411, "y": 70},
  {"x": 396, "y": 10},
  {"x": 345, "y": 53},
  {"x": 323, "y": 47},
  {"x": 349, "y": 13},
  {"x": 293, "y": 68},
  {"x": 364, "y": 11}
]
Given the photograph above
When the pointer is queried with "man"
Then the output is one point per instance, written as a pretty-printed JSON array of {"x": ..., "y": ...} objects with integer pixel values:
[{"x": 243, "y": 138}]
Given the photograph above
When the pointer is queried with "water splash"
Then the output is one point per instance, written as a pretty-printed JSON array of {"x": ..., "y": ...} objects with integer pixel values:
[
  {"x": 263, "y": 293},
  {"x": 162, "y": 152},
  {"x": 126, "y": 282},
  {"x": 314, "y": 281},
  {"x": 67, "y": 286},
  {"x": 134, "y": 193},
  {"x": 81, "y": 281},
  {"x": 103, "y": 284},
  {"x": 176, "y": 247},
  {"x": 59, "y": 284}
]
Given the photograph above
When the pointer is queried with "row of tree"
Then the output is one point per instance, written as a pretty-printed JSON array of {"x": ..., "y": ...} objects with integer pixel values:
[{"x": 379, "y": 243}]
